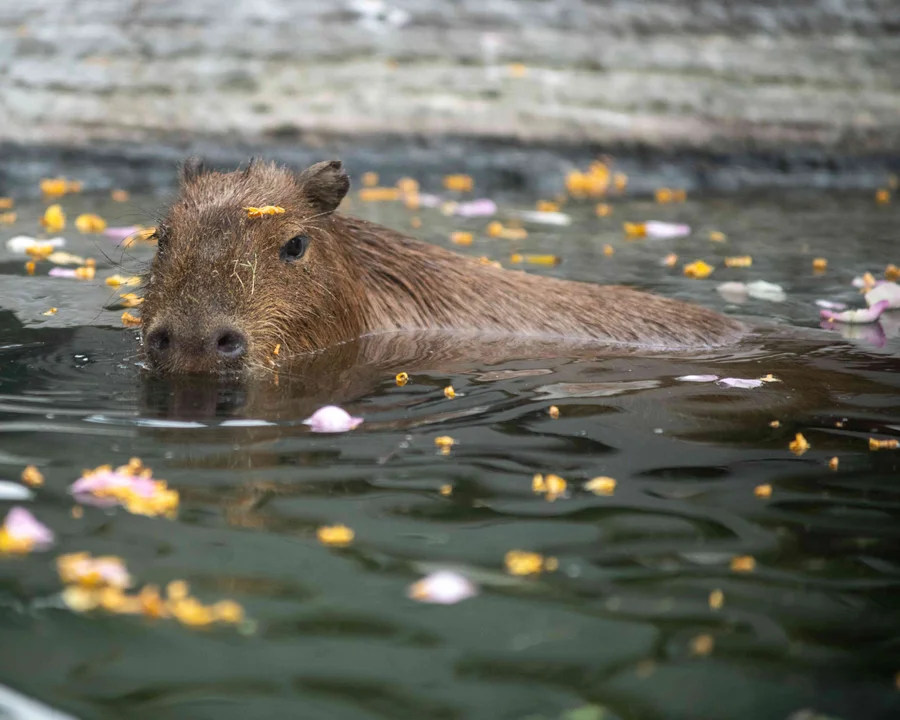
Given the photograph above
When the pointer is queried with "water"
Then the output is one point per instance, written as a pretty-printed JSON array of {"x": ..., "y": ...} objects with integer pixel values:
[{"x": 614, "y": 631}]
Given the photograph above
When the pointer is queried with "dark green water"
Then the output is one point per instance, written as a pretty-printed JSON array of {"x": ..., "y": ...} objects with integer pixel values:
[{"x": 815, "y": 627}]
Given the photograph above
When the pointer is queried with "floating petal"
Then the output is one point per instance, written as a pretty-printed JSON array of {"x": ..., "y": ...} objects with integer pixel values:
[
  {"x": 654, "y": 228},
  {"x": 889, "y": 291},
  {"x": 22, "y": 243},
  {"x": 743, "y": 383},
  {"x": 475, "y": 208},
  {"x": 22, "y": 532},
  {"x": 762, "y": 290},
  {"x": 331, "y": 419},
  {"x": 862, "y": 316},
  {"x": 443, "y": 588}
]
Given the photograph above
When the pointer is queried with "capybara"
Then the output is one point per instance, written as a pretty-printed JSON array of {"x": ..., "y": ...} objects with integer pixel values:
[{"x": 231, "y": 289}]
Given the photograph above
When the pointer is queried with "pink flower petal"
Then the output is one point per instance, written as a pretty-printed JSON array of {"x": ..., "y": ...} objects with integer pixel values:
[
  {"x": 865, "y": 315},
  {"x": 743, "y": 383},
  {"x": 443, "y": 588},
  {"x": 21, "y": 525},
  {"x": 111, "y": 570},
  {"x": 331, "y": 419},
  {"x": 120, "y": 233},
  {"x": 698, "y": 378},
  {"x": 101, "y": 482},
  {"x": 62, "y": 272},
  {"x": 476, "y": 208},
  {"x": 429, "y": 201},
  {"x": 657, "y": 229},
  {"x": 829, "y": 305},
  {"x": 889, "y": 291}
]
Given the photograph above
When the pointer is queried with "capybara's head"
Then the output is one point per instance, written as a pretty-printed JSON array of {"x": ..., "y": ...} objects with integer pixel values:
[{"x": 229, "y": 285}]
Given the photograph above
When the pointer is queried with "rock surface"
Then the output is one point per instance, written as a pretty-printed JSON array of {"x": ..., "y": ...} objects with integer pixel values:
[{"x": 804, "y": 86}]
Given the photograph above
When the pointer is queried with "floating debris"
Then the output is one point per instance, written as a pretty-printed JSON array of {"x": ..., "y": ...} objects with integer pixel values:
[
  {"x": 32, "y": 477},
  {"x": 549, "y": 260},
  {"x": 545, "y": 217},
  {"x": 21, "y": 533},
  {"x": 799, "y": 445},
  {"x": 444, "y": 442},
  {"x": 742, "y": 261},
  {"x": 442, "y": 588},
  {"x": 857, "y": 317},
  {"x": 553, "y": 412},
  {"x": 742, "y": 383},
  {"x": 90, "y": 223},
  {"x": 54, "y": 218},
  {"x": 830, "y": 305},
  {"x": 864, "y": 282},
  {"x": 520, "y": 562},
  {"x": 499, "y": 230},
  {"x": 717, "y": 236},
  {"x": 132, "y": 486},
  {"x": 119, "y": 280},
  {"x": 601, "y": 485},
  {"x": 459, "y": 183},
  {"x": 11, "y": 491},
  {"x": 55, "y": 187},
  {"x": 820, "y": 264},
  {"x": 335, "y": 535},
  {"x": 763, "y": 491},
  {"x": 87, "y": 571},
  {"x": 402, "y": 379},
  {"x": 119, "y": 195},
  {"x": 475, "y": 208},
  {"x": 552, "y": 486},
  {"x": 22, "y": 244},
  {"x": 743, "y": 564},
  {"x": 698, "y": 269},
  {"x": 716, "y": 600},
  {"x": 461, "y": 238},
  {"x": 698, "y": 378},
  {"x": 656, "y": 229},
  {"x": 129, "y": 320},
  {"x": 833, "y": 463},
  {"x": 702, "y": 645},
  {"x": 258, "y": 212},
  {"x": 332, "y": 419},
  {"x": 883, "y": 444},
  {"x": 760, "y": 289}
]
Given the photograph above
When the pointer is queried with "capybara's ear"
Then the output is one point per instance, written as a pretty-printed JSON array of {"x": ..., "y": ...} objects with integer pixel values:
[
  {"x": 325, "y": 184},
  {"x": 191, "y": 169}
]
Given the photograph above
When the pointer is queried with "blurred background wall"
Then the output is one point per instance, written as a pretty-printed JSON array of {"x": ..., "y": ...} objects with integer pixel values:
[{"x": 755, "y": 91}]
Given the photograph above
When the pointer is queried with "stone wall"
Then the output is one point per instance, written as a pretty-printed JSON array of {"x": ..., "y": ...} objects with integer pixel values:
[{"x": 751, "y": 78}]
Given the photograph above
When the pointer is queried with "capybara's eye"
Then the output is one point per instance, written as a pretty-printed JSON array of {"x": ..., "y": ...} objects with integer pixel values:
[{"x": 294, "y": 248}]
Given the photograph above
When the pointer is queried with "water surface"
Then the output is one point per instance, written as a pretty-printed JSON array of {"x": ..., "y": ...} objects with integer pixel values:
[{"x": 613, "y": 631}]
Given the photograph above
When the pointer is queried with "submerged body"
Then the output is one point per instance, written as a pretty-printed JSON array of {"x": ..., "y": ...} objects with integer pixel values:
[{"x": 232, "y": 288}]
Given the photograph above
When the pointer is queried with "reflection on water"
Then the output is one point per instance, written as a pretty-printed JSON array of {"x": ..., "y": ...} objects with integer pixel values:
[{"x": 626, "y": 623}]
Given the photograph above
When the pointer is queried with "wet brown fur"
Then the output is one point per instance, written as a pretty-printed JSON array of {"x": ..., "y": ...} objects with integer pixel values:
[{"x": 217, "y": 267}]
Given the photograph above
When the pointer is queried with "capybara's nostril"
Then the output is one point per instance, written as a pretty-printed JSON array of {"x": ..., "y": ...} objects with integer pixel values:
[
  {"x": 158, "y": 343},
  {"x": 231, "y": 343}
]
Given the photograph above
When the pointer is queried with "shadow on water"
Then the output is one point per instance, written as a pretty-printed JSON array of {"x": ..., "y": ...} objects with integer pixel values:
[{"x": 626, "y": 621}]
